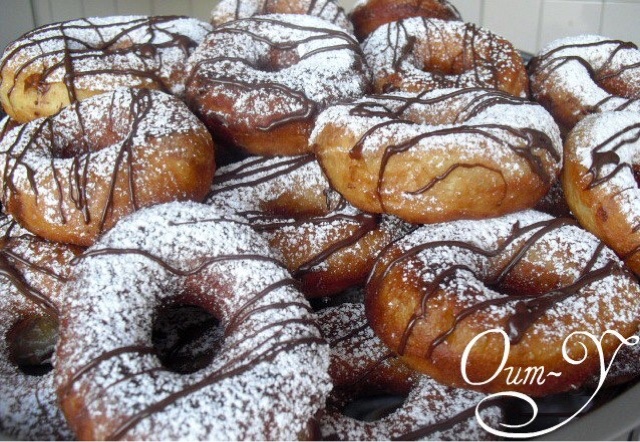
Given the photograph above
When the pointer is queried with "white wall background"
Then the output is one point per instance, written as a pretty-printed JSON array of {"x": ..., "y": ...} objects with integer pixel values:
[{"x": 529, "y": 24}]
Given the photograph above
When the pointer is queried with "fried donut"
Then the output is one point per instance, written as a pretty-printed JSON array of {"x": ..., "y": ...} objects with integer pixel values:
[
  {"x": 325, "y": 242},
  {"x": 444, "y": 292},
  {"x": 433, "y": 157},
  {"x": 369, "y": 15},
  {"x": 417, "y": 54},
  {"x": 71, "y": 176},
  {"x": 57, "y": 64},
  {"x": 600, "y": 180},
  {"x": 430, "y": 411},
  {"x": 576, "y": 76},
  {"x": 329, "y": 10},
  {"x": 32, "y": 277},
  {"x": 266, "y": 382},
  {"x": 259, "y": 83}
]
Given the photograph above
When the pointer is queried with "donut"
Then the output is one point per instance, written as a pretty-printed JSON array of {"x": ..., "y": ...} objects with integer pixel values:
[
  {"x": 506, "y": 296},
  {"x": 369, "y": 15},
  {"x": 60, "y": 63},
  {"x": 32, "y": 279},
  {"x": 437, "y": 156},
  {"x": 577, "y": 76},
  {"x": 71, "y": 176},
  {"x": 325, "y": 242},
  {"x": 6, "y": 124},
  {"x": 600, "y": 180},
  {"x": 419, "y": 54},
  {"x": 361, "y": 365},
  {"x": 259, "y": 83},
  {"x": 329, "y": 10},
  {"x": 268, "y": 378}
]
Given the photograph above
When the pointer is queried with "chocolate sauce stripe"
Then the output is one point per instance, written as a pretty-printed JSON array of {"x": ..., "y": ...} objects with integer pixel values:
[
  {"x": 16, "y": 279},
  {"x": 448, "y": 172},
  {"x": 32, "y": 266},
  {"x": 450, "y": 422},
  {"x": 65, "y": 389},
  {"x": 243, "y": 311},
  {"x": 601, "y": 157},
  {"x": 369, "y": 224},
  {"x": 204, "y": 264},
  {"x": 350, "y": 335},
  {"x": 309, "y": 107},
  {"x": 253, "y": 359},
  {"x": 283, "y": 168}
]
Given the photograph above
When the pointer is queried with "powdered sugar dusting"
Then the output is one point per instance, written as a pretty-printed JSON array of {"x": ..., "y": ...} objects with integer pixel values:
[
  {"x": 28, "y": 404},
  {"x": 565, "y": 251},
  {"x": 322, "y": 65},
  {"x": 354, "y": 349},
  {"x": 271, "y": 347},
  {"x": 105, "y": 53},
  {"x": 228, "y": 10},
  {"x": 404, "y": 49}
]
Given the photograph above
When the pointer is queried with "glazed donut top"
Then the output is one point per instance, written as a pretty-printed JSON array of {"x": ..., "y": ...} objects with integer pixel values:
[
  {"x": 172, "y": 252},
  {"x": 329, "y": 10},
  {"x": 308, "y": 61},
  {"x": 602, "y": 73},
  {"x": 104, "y": 53}
]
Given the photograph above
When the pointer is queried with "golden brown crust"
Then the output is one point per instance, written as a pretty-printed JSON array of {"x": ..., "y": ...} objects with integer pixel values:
[
  {"x": 370, "y": 15},
  {"x": 444, "y": 155},
  {"x": 432, "y": 293},
  {"x": 70, "y": 177},
  {"x": 419, "y": 54},
  {"x": 600, "y": 183},
  {"x": 61, "y": 63}
]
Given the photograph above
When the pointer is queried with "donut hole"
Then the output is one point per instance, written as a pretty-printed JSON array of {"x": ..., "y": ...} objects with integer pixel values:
[
  {"x": 635, "y": 168},
  {"x": 31, "y": 342},
  {"x": 66, "y": 147},
  {"x": 373, "y": 408},
  {"x": 186, "y": 338}
]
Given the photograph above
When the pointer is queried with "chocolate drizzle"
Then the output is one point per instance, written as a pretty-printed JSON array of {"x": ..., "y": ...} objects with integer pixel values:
[
  {"x": 213, "y": 69},
  {"x": 245, "y": 360},
  {"x": 395, "y": 110},
  {"x": 416, "y": 54},
  {"x": 260, "y": 171},
  {"x": 143, "y": 38},
  {"x": 528, "y": 308},
  {"x": 548, "y": 63},
  {"x": 604, "y": 155}
]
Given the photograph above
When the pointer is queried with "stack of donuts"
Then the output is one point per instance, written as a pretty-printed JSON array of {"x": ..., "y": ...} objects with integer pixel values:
[{"x": 295, "y": 222}]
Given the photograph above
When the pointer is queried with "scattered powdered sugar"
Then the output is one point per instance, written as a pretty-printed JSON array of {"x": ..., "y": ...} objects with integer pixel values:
[
  {"x": 354, "y": 350},
  {"x": 82, "y": 148},
  {"x": 228, "y": 10},
  {"x": 28, "y": 404},
  {"x": 103, "y": 53},
  {"x": 270, "y": 376},
  {"x": 574, "y": 70},
  {"x": 322, "y": 64},
  {"x": 408, "y": 48},
  {"x": 564, "y": 251}
]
